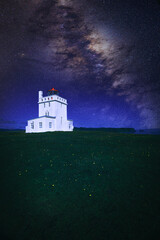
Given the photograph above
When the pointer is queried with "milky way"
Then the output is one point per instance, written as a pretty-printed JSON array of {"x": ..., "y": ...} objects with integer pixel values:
[{"x": 100, "y": 54}]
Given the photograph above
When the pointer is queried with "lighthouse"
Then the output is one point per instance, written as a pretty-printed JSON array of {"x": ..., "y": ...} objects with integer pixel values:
[{"x": 52, "y": 114}]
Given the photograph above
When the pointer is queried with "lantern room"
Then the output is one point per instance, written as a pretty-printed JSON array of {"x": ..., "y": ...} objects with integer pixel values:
[{"x": 53, "y": 91}]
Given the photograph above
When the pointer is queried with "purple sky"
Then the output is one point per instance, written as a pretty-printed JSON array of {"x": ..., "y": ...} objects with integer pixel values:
[{"x": 102, "y": 55}]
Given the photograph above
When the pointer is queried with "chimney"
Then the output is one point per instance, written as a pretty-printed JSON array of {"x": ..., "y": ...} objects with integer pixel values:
[{"x": 40, "y": 95}]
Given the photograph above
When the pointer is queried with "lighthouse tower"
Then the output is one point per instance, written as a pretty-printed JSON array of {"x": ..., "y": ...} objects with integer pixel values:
[{"x": 52, "y": 114}]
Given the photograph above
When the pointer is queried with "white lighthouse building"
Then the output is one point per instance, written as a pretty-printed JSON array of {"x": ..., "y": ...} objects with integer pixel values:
[{"x": 52, "y": 114}]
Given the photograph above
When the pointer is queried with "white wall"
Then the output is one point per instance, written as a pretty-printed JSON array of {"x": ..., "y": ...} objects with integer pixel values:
[
  {"x": 60, "y": 111},
  {"x": 51, "y": 106},
  {"x": 45, "y": 125}
]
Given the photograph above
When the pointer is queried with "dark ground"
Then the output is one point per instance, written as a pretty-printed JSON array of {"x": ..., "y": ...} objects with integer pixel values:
[{"x": 81, "y": 185}]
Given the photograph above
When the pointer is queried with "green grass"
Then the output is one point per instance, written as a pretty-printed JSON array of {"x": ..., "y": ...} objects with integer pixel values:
[{"x": 81, "y": 185}]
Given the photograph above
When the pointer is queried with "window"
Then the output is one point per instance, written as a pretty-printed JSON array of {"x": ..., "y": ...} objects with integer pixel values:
[
  {"x": 50, "y": 124},
  {"x": 46, "y": 113},
  {"x": 40, "y": 124},
  {"x": 49, "y": 104},
  {"x": 32, "y": 125},
  {"x": 51, "y": 97},
  {"x": 44, "y": 105}
]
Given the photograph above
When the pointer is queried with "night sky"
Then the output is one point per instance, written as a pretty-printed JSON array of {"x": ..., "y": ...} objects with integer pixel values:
[{"x": 103, "y": 56}]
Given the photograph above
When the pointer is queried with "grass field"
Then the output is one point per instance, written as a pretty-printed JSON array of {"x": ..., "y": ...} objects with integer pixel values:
[{"x": 79, "y": 185}]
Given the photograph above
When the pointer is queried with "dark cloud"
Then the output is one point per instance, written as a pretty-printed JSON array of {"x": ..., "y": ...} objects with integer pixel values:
[
  {"x": 11, "y": 124},
  {"x": 3, "y": 121},
  {"x": 70, "y": 43}
]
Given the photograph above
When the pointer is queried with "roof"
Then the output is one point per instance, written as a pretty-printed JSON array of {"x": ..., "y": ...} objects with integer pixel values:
[
  {"x": 41, "y": 117},
  {"x": 53, "y": 89}
]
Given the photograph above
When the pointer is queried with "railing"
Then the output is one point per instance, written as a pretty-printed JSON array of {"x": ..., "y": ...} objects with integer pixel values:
[{"x": 52, "y": 98}]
